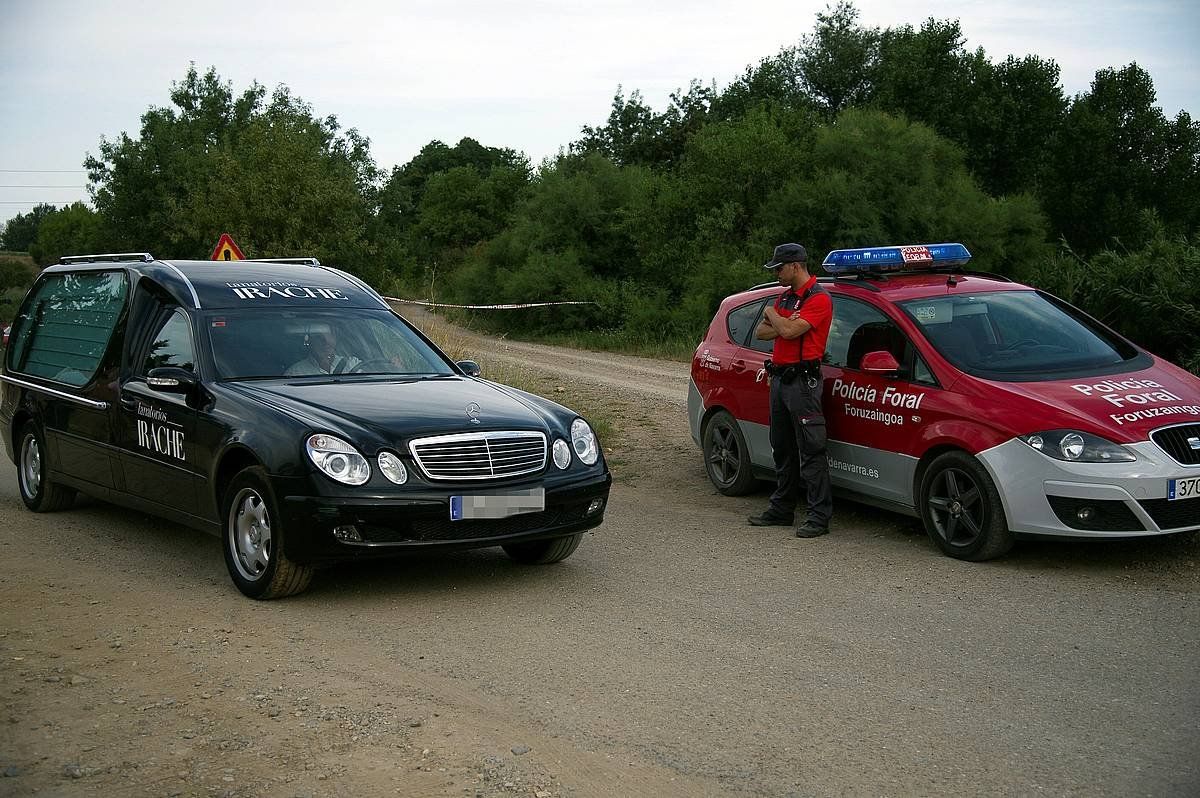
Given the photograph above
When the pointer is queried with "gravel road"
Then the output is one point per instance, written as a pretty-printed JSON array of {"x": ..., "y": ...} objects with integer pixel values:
[{"x": 679, "y": 652}]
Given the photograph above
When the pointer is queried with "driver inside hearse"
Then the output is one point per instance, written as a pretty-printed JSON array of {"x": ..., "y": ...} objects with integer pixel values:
[{"x": 322, "y": 355}]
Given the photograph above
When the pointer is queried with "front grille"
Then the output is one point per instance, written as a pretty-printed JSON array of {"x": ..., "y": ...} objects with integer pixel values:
[
  {"x": 1176, "y": 514},
  {"x": 480, "y": 455},
  {"x": 1177, "y": 442},
  {"x": 1105, "y": 515}
]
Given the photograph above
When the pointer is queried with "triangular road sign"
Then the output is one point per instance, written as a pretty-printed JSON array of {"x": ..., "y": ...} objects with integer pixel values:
[{"x": 226, "y": 249}]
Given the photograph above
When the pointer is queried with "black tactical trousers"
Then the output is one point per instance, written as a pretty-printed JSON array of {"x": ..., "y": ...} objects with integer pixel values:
[{"x": 798, "y": 443}]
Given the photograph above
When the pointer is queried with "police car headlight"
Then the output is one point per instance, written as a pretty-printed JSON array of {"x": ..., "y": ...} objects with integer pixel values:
[
  {"x": 337, "y": 459},
  {"x": 562, "y": 453},
  {"x": 392, "y": 468},
  {"x": 1078, "y": 447},
  {"x": 583, "y": 441}
]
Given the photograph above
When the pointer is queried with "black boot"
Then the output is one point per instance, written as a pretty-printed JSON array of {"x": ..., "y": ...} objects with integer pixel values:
[
  {"x": 771, "y": 517},
  {"x": 810, "y": 530}
]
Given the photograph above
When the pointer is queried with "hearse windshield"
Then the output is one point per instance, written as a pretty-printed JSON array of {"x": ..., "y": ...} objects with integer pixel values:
[
  {"x": 1018, "y": 335},
  {"x": 249, "y": 344}
]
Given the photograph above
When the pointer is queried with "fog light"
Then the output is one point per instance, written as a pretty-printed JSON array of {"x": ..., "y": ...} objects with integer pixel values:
[
  {"x": 347, "y": 534},
  {"x": 1085, "y": 514},
  {"x": 562, "y": 453},
  {"x": 595, "y": 506}
]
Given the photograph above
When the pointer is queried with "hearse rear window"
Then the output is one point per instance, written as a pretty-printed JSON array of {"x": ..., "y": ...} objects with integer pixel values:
[{"x": 65, "y": 326}]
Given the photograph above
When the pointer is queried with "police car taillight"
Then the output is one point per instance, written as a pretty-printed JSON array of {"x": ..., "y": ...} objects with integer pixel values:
[{"x": 894, "y": 259}]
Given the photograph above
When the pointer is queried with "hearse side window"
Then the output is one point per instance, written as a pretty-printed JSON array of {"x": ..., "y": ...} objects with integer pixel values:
[
  {"x": 172, "y": 345},
  {"x": 66, "y": 325}
]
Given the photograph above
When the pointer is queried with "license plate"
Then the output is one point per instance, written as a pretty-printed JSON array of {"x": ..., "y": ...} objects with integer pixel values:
[
  {"x": 497, "y": 505},
  {"x": 1183, "y": 488}
]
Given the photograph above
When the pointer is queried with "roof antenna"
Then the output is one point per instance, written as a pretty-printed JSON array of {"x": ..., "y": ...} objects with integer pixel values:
[{"x": 950, "y": 281}]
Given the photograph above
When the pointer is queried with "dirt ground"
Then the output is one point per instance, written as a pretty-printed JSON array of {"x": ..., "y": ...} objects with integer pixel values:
[{"x": 679, "y": 652}]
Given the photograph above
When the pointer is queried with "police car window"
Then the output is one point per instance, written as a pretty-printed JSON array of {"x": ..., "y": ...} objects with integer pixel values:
[
  {"x": 1014, "y": 334},
  {"x": 172, "y": 345},
  {"x": 741, "y": 322},
  {"x": 858, "y": 328},
  {"x": 65, "y": 326}
]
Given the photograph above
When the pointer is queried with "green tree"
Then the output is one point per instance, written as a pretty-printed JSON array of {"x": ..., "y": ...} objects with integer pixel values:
[
  {"x": 837, "y": 59},
  {"x": 281, "y": 180},
  {"x": 635, "y": 135},
  {"x": 875, "y": 179},
  {"x": 629, "y": 134},
  {"x": 21, "y": 230},
  {"x": 1020, "y": 107},
  {"x": 1117, "y": 155},
  {"x": 404, "y": 189},
  {"x": 929, "y": 76},
  {"x": 73, "y": 230},
  {"x": 460, "y": 206},
  {"x": 775, "y": 83}
]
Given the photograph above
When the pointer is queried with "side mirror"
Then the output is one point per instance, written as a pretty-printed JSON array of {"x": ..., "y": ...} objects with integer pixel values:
[
  {"x": 171, "y": 379},
  {"x": 880, "y": 362},
  {"x": 469, "y": 367}
]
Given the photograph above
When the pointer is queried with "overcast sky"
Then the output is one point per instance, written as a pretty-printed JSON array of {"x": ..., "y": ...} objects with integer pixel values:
[{"x": 526, "y": 75}]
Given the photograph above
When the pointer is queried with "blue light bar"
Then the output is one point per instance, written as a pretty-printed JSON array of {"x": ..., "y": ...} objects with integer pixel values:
[{"x": 894, "y": 259}]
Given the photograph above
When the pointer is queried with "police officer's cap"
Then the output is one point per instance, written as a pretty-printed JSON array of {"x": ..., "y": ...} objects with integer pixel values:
[{"x": 787, "y": 253}]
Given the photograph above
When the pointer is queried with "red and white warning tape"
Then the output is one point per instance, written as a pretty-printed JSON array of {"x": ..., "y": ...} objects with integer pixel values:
[{"x": 484, "y": 307}]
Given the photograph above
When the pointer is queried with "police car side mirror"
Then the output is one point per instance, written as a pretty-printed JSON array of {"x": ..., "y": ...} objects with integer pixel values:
[
  {"x": 880, "y": 362},
  {"x": 171, "y": 379},
  {"x": 469, "y": 367}
]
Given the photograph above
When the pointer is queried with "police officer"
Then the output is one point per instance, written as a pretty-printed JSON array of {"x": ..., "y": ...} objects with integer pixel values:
[{"x": 798, "y": 323}]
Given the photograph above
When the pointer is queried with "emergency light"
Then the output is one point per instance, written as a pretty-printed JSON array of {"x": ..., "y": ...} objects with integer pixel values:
[{"x": 894, "y": 259}]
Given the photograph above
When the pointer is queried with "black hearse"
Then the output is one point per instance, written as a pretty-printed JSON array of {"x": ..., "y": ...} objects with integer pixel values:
[{"x": 285, "y": 407}]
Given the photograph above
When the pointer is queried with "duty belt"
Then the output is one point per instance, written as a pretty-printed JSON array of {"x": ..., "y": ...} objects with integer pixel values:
[{"x": 787, "y": 372}]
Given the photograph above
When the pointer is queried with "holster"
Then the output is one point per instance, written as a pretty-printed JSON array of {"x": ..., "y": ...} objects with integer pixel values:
[{"x": 789, "y": 372}]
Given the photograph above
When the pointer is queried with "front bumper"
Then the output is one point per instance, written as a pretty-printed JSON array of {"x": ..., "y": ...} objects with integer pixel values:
[
  {"x": 420, "y": 520},
  {"x": 1044, "y": 496}
]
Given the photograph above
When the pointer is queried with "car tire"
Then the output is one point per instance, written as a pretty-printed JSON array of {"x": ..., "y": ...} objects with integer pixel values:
[
  {"x": 726, "y": 457},
  {"x": 961, "y": 509},
  {"x": 252, "y": 536},
  {"x": 40, "y": 493},
  {"x": 543, "y": 552}
]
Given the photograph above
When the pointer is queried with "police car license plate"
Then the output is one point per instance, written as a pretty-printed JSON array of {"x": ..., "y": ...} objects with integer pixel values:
[
  {"x": 497, "y": 505},
  {"x": 1183, "y": 488}
]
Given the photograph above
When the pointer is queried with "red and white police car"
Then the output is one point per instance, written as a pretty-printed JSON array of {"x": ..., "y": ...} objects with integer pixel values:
[{"x": 989, "y": 409}]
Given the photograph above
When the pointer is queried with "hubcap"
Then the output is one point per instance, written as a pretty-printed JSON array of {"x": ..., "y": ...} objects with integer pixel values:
[
  {"x": 724, "y": 459},
  {"x": 956, "y": 507},
  {"x": 31, "y": 466},
  {"x": 250, "y": 534}
]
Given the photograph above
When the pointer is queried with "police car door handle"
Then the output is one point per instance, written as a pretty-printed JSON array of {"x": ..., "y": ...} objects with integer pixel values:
[
  {"x": 128, "y": 402},
  {"x": 738, "y": 365}
]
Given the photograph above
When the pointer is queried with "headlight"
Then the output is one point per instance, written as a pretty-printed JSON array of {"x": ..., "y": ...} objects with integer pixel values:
[
  {"x": 392, "y": 468},
  {"x": 1078, "y": 447},
  {"x": 337, "y": 459},
  {"x": 583, "y": 441},
  {"x": 562, "y": 453}
]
